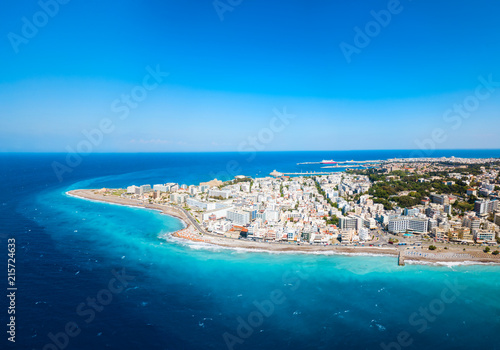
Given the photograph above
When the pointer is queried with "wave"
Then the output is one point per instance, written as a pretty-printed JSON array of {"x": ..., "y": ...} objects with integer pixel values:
[
  {"x": 215, "y": 247},
  {"x": 449, "y": 264}
]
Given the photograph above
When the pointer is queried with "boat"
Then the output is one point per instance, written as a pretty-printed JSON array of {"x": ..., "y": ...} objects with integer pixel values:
[{"x": 328, "y": 162}]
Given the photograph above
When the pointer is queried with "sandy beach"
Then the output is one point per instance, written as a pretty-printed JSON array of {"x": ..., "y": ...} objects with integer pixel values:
[{"x": 193, "y": 232}]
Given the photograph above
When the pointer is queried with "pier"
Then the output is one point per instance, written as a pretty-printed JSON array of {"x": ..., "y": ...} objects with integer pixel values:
[
  {"x": 346, "y": 162},
  {"x": 310, "y": 173},
  {"x": 346, "y": 166},
  {"x": 401, "y": 259}
]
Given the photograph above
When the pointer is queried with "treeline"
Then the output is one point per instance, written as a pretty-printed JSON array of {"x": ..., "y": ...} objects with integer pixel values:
[
  {"x": 464, "y": 206},
  {"x": 333, "y": 220},
  {"x": 386, "y": 191},
  {"x": 235, "y": 181},
  {"x": 473, "y": 169}
]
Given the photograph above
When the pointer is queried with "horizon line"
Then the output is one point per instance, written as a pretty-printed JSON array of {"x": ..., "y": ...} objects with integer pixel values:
[{"x": 268, "y": 151}]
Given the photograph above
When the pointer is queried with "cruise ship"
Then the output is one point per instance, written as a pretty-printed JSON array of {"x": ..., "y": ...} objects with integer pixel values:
[{"x": 328, "y": 162}]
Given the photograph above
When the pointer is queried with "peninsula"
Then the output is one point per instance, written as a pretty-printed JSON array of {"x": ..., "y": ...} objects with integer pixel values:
[{"x": 437, "y": 210}]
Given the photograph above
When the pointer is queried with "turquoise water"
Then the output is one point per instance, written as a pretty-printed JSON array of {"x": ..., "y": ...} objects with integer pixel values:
[{"x": 190, "y": 296}]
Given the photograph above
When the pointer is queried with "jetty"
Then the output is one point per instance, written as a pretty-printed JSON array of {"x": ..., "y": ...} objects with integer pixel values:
[
  {"x": 346, "y": 166},
  {"x": 401, "y": 259},
  {"x": 309, "y": 173},
  {"x": 345, "y": 162}
]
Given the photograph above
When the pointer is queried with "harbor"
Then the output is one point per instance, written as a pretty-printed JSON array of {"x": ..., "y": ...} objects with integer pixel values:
[
  {"x": 332, "y": 162},
  {"x": 309, "y": 173}
]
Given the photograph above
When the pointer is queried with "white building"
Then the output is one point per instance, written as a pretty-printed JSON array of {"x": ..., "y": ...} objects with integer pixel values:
[
  {"x": 347, "y": 223},
  {"x": 412, "y": 224},
  {"x": 219, "y": 193},
  {"x": 484, "y": 236},
  {"x": 199, "y": 204},
  {"x": 179, "y": 198},
  {"x": 364, "y": 234},
  {"x": 160, "y": 188},
  {"x": 347, "y": 236},
  {"x": 271, "y": 215},
  {"x": 193, "y": 190},
  {"x": 370, "y": 223},
  {"x": 145, "y": 188},
  {"x": 238, "y": 217},
  {"x": 219, "y": 213},
  {"x": 133, "y": 190},
  {"x": 397, "y": 225}
]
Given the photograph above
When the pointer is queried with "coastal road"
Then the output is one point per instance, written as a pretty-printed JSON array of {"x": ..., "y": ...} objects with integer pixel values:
[
  {"x": 193, "y": 220},
  {"x": 188, "y": 215}
]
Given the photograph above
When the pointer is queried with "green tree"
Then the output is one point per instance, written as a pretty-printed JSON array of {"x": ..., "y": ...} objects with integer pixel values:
[
  {"x": 472, "y": 199},
  {"x": 334, "y": 220}
]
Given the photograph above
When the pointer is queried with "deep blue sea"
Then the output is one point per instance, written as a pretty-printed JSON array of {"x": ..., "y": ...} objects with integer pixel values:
[{"x": 97, "y": 276}]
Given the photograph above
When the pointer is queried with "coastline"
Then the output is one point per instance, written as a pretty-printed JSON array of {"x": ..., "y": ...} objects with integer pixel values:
[
  {"x": 91, "y": 196},
  {"x": 195, "y": 234}
]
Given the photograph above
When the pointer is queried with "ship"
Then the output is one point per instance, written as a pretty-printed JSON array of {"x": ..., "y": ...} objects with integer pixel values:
[{"x": 328, "y": 162}]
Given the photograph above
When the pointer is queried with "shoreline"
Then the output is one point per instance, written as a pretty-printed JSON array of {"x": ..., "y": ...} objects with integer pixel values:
[
  {"x": 192, "y": 233},
  {"x": 91, "y": 196}
]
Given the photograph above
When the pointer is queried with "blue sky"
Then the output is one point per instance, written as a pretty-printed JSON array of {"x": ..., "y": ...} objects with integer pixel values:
[{"x": 227, "y": 76}]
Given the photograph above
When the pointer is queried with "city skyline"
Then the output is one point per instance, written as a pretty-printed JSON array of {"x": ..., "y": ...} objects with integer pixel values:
[{"x": 208, "y": 77}]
